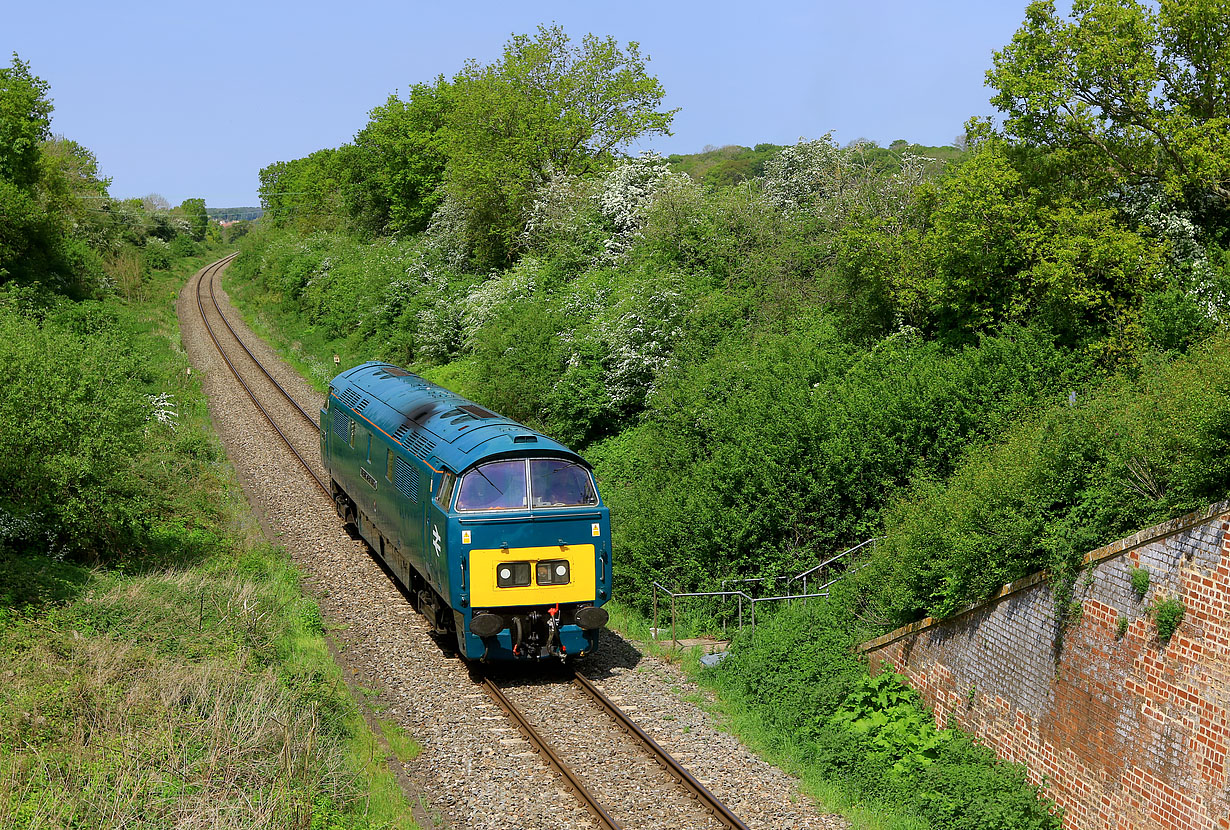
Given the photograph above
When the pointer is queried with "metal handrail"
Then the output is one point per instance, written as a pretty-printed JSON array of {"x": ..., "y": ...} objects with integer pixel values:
[
  {"x": 657, "y": 586},
  {"x": 872, "y": 541},
  {"x": 805, "y": 574},
  {"x": 822, "y": 591},
  {"x": 750, "y": 579}
]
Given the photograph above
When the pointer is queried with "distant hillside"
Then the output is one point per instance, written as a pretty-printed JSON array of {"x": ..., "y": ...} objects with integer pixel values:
[
  {"x": 724, "y": 165},
  {"x": 734, "y": 163},
  {"x": 233, "y": 214}
]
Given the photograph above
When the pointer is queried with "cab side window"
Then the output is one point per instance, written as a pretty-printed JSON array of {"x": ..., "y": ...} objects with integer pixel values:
[{"x": 445, "y": 494}]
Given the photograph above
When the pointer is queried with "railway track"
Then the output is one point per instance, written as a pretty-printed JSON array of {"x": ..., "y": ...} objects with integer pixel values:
[
  {"x": 207, "y": 278},
  {"x": 297, "y": 430},
  {"x": 571, "y": 697}
]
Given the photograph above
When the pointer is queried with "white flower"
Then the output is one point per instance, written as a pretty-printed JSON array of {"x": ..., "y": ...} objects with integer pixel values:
[
  {"x": 162, "y": 410},
  {"x": 628, "y": 193}
]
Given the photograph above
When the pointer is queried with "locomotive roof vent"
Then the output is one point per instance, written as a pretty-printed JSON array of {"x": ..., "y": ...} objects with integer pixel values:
[
  {"x": 525, "y": 439},
  {"x": 478, "y": 411}
]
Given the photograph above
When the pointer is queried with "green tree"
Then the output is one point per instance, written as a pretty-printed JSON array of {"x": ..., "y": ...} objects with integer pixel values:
[
  {"x": 1140, "y": 91},
  {"x": 198, "y": 220},
  {"x": 546, "y": 107},
  {"x": 25, "y": 121},
  {"x": 307, "y": 193},
  {"x": 71, "y": 186},
  {"x": 400, "y": 156}
]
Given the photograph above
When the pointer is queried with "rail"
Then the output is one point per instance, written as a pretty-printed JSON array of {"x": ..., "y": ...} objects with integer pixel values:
[
  {"x": 707, "y": 799},
  {"x": 588, "y": 800},
  {"x": 663, "y": 758},
  {"x": 211, "y": 270}
]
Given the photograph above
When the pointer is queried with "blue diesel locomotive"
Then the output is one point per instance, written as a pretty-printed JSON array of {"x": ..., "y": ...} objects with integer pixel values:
[{"x": 496, "y": 532}]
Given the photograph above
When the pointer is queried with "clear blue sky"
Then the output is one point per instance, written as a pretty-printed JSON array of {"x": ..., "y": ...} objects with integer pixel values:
[{"x": 191, "y": 100}]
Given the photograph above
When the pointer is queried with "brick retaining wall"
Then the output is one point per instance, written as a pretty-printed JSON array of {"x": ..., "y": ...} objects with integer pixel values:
[{"x": 1127, "y": 731}]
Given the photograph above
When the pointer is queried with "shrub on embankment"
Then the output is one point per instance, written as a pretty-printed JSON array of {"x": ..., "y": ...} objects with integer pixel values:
[
  {"x": 1136, "y": 451},
  {"x": 797, "y": 691}
]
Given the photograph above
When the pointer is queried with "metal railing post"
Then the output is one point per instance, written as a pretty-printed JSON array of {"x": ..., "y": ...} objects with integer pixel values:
[
  {"x": 654, "y": 632},
  {"x": 674, "y": 641}
]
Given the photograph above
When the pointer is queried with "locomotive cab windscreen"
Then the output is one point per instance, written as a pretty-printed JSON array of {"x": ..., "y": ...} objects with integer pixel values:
[{"x": 519, "y": 483}]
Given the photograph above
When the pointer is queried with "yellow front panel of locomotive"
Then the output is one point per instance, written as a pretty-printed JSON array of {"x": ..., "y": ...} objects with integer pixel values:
[{"x": 486, "y": 593}]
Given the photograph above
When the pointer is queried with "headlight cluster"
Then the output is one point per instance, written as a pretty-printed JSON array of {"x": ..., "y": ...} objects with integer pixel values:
[
  {"x": 517, "y": 574},
  {"x": 512, "y": 574},
  {"x": 552, "y": 572}
]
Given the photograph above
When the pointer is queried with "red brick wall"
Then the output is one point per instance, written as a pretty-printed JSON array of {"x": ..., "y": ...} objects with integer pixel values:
[{"x": 1126, "y": 730}]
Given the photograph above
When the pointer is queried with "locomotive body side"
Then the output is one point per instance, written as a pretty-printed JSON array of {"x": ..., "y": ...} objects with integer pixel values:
[{"x": 497, "y": 532}]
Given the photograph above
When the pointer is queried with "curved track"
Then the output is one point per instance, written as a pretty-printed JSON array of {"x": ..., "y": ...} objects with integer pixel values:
[
  {"x": 208, "y": 276},
  {"x": 289, "y": 436}
]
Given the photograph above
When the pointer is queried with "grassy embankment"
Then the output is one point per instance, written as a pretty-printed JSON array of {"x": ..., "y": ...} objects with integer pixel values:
[{"x": 178, "y": 675}]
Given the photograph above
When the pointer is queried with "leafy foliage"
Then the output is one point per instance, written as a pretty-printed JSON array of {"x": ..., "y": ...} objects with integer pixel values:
[
  {"x": 724, "y": 166},
  {"x": 1125, "y": 87},
  {"x": 67, "y": 446},
  {"x": 25, "y": 121},
  {"x": 1139, "y": 578},
  {"x": 1060, "y": 484},
  {"x": 59, "y": 229},
  {"x": 771, "y": 453},
  {"x": 546, "y": 107},
  {"x": 401, "y": 155},
  {"x": 798, "y": 679},
  {"x": 469, "y": 156},
  {"x": 1168, "y": 615}
]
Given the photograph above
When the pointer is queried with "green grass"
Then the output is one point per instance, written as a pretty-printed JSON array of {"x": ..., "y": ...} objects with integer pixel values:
[
  {"x": 188, "y": 682},
  {"x": 403, "y": 747}
]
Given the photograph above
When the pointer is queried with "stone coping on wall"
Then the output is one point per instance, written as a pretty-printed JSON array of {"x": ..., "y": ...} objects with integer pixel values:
[{"x": 1117, "y": 548}]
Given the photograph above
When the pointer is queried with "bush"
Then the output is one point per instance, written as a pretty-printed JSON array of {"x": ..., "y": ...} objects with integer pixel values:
[
  {"x": 157, "y": 255},
  {"x": 782, "y": 448},
  {"x": 183, "y": 246},
  {"x": 1168, "y": 615},
  {"x": 72, "y": 425},
  {"x": 798, "y": 667},
  {"x": 1131, "y": 454},
  {"x": 1139, "y": 578},
  {"x": 871, "y": 736}
]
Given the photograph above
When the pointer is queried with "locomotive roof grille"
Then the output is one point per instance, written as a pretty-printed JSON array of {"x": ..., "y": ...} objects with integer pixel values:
[
  {"x": 353, "y": 400},
  {"x": 419, "y": 445},
  {"x": 437, "y": 426}
]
